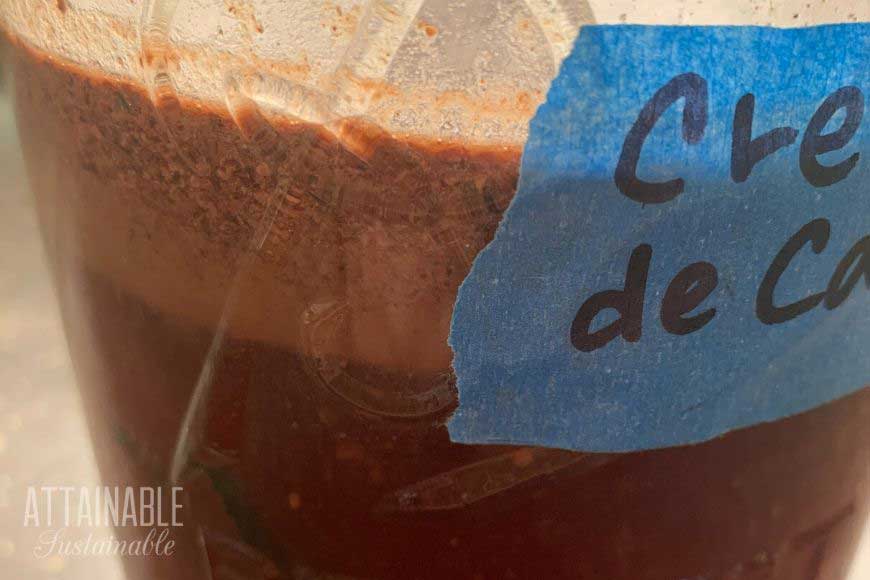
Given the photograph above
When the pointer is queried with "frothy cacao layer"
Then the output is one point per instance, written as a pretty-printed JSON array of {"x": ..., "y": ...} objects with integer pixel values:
[{"x": 172, "y": 204}]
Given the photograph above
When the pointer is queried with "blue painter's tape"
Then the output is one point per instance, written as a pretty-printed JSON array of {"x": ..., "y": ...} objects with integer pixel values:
[{"x": 570, "y": 231}]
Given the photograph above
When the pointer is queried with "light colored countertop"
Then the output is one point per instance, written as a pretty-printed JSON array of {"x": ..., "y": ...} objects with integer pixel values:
[{"x": 43, "y": 436}]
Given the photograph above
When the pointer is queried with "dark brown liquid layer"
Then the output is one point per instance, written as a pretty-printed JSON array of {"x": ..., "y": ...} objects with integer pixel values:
[{"x": 319, "y": 446}]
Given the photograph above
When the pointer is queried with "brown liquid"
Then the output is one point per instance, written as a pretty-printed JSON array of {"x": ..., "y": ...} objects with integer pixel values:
[{"x": 320, "y": 449}]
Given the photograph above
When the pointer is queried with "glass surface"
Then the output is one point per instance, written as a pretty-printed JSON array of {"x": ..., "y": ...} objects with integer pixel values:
[{"x": 258, "y": 214}]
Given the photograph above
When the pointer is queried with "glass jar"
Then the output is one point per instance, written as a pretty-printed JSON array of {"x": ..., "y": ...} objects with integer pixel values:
[{"x": 258, "y": 214}]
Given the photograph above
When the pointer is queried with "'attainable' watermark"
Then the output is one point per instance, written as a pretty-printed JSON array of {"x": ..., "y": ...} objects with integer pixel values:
[{"x": 154, "y": 510}]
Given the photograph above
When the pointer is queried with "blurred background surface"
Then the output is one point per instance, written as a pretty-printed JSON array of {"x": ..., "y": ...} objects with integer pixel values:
[{"x": 43, "y": 435}]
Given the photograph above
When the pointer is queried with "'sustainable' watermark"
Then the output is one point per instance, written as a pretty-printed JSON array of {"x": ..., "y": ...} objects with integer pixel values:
[{"x": 53, "y": 542}]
